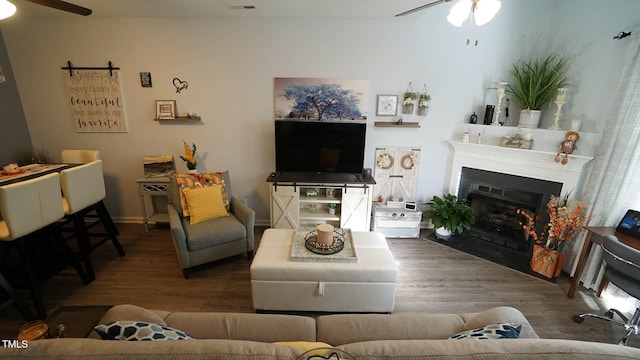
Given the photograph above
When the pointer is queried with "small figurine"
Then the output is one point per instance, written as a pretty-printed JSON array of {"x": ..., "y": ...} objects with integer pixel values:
[
  {"x": 465, "y": 137},
  {"x": 571, "y": 138}
]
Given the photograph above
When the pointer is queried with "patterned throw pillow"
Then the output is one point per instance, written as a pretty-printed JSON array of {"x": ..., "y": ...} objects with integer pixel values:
[
  {"x": 138, "y": 331},
  {"x": 193, "y": 181},
  {"x": 494, "y": 331}
]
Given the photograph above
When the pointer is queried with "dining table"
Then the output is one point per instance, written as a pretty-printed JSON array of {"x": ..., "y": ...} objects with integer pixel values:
[{"x": 30, "y": 171}]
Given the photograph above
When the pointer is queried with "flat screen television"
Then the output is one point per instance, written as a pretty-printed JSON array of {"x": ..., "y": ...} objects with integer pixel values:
[{"x": 320, "y": 147}]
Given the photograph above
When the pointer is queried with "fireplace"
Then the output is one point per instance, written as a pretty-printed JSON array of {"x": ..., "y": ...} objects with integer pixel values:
[
  {"x": 495, "y": 198},
  {"x": 498, "y": 180}
]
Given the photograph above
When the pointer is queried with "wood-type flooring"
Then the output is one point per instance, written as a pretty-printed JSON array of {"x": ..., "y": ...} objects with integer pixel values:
[{"x": 433, "y": 279}]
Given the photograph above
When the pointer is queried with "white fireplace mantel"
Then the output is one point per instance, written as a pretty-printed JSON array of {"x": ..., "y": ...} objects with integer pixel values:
[{"x": 527, "y": 163}]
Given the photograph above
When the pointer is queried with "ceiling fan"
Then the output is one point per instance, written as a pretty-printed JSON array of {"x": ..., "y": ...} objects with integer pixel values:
[
  {"x": 63, "y": 5},
  {"x": 425, "y": 6}
]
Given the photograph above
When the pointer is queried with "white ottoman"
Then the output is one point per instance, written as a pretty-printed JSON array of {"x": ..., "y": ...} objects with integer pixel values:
[{"x": 368, "y": 285}]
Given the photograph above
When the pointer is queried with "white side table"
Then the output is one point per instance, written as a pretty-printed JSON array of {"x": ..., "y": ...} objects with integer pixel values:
[{"x": 157, "y": 189}]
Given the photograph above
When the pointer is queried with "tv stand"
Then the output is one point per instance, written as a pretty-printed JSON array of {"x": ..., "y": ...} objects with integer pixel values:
[{"x": 308, "y": 199}]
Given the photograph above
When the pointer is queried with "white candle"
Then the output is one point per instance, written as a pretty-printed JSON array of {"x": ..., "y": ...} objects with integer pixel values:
[
  {"x": 561, "y": 95},
  {"x": 575, "y": 125},
  {"x": 325, "y": 234}
]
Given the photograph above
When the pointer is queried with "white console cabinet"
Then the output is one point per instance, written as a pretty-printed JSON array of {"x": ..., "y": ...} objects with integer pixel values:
[{"x": 306, "y": 204}]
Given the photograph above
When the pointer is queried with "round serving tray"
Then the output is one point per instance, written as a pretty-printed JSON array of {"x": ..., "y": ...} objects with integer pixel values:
[{"x": 311, "y": 243}]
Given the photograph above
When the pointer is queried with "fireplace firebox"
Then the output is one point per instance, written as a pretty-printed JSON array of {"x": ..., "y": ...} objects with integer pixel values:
[{"x": 495, "y": 198}]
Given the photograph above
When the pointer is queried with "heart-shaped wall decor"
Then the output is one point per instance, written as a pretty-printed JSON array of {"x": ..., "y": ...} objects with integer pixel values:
[{"x": 180, "y": 85}]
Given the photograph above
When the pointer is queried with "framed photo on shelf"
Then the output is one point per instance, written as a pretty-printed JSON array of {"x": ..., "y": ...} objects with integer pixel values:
[
  {"x": 387, "y": 105},
  {"x": 165, "y": 109}
]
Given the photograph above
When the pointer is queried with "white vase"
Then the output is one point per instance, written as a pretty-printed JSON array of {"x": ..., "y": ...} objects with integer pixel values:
[
  {"x": 443, "y": 234},
  {"x": 529, "y": 118}
]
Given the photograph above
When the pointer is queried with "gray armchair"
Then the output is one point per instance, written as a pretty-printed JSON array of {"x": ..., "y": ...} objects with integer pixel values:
[{"x": 213, "y": 239}]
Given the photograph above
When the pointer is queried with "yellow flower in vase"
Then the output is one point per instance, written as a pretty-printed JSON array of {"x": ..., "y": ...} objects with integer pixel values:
[{"x": 189, "y": 156}]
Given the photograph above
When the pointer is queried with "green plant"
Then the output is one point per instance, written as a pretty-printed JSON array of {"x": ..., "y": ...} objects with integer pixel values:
[
  {"x": 536, "y": 82},
  {"x": 449, "y": 212},
  {"x": 37, "y": 156}
]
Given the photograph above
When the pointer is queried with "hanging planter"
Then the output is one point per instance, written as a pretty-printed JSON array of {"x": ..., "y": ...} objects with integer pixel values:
[
  {"x": 409, "y": 100},
  {"x": 424, "y": 101}
]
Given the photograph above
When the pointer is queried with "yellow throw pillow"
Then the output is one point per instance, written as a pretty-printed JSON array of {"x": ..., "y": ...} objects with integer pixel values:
[
  {"x": 205, "y": 203},
  {"x": 307, "y": 346}
]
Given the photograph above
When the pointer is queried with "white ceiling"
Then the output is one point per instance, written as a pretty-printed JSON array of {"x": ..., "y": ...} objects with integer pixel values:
[{"x": 362, "y": 9}]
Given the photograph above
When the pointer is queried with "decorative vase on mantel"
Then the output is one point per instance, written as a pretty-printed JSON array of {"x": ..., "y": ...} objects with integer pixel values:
[{"x": 529, "y": 118}]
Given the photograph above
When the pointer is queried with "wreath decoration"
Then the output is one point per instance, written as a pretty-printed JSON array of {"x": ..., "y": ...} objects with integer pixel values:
[
  {"x": 384, "y": 161},
  {"x": 409, "y": 161}
]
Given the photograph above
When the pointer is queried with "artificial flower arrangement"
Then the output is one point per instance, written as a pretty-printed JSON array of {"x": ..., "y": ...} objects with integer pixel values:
[
  {"x": 408, "y": 102},
  {"x": 189, "y": 155},
  {"x": 424, "y": 101},
  {"x": 565, "y": 219}
]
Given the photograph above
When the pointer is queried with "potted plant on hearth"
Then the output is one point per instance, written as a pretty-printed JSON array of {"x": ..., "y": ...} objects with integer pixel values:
[
  {"x": 535, "y": 84},
  {"x": 449, "y": 215}
]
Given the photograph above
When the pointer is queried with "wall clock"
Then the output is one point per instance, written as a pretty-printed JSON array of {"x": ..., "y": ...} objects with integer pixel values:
[{"x": 387, "y": 105}]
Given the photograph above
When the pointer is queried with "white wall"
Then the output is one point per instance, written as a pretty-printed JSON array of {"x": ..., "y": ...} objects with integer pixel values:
[{"x": 230, "y": 65}]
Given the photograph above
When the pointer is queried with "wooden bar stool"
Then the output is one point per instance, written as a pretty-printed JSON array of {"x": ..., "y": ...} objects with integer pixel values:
[
  {"x": 30, "y": 209},
  {"x": 83, "y": 191}
]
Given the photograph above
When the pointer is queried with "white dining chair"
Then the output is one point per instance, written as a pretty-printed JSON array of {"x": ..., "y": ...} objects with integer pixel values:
[
  {"x": 79, "y": 156},
  {"x": 28, "y": 208},
  {"x": 83, "y": 192}
]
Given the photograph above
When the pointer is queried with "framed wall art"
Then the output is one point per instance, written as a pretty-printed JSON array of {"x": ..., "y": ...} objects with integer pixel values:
[
  {"x": 321, "y": 99},
  {"x": 165, "y": 109},
  {"x": 387, "y": 105}
]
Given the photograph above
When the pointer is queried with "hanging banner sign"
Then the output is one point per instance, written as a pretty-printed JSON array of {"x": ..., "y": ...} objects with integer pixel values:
[{"x": 96, "y": 101}]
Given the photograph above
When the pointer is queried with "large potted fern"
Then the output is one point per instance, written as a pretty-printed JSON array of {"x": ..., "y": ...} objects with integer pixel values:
[
  {"x": 535, "y": 84},
  {"x": 449, "y": 215}
]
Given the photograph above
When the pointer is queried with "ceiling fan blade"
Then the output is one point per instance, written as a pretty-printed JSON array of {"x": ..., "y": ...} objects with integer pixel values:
[
  {"x": 425, "y": 6},
  {"x": 64, "y": 6}
]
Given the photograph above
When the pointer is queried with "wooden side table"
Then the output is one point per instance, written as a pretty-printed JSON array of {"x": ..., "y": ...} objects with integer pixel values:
[
  {"x": 157, "y": 189},
  {"x": 595, "y": 235}
]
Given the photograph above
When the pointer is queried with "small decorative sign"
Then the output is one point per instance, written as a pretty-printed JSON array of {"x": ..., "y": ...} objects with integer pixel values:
[
  {"x": 145, "y": 79},
  {"x": 516, "y": 143},
  {"x": 165, "y": 109}
]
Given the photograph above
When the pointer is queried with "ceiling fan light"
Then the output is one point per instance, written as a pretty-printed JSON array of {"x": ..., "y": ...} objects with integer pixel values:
[
  {"x": 6, "y": 9},
  {"x": 486, "y": 10},
  {"x": 459, "y": 12}
]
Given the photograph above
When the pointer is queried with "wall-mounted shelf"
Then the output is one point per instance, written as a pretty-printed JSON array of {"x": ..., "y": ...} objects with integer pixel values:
[
  {"x": 395, "y": 124},
  {"x": 181, "y": 119}
]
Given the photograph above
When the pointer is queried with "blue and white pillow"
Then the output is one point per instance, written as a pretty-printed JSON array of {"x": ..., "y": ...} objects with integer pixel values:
[
  {"x": 139, "y": 331},
  {"x": 493, "y": 331}
]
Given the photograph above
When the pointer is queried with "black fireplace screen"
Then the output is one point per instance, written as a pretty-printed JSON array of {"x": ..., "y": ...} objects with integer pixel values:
[{"x": 495, "y": 197}]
